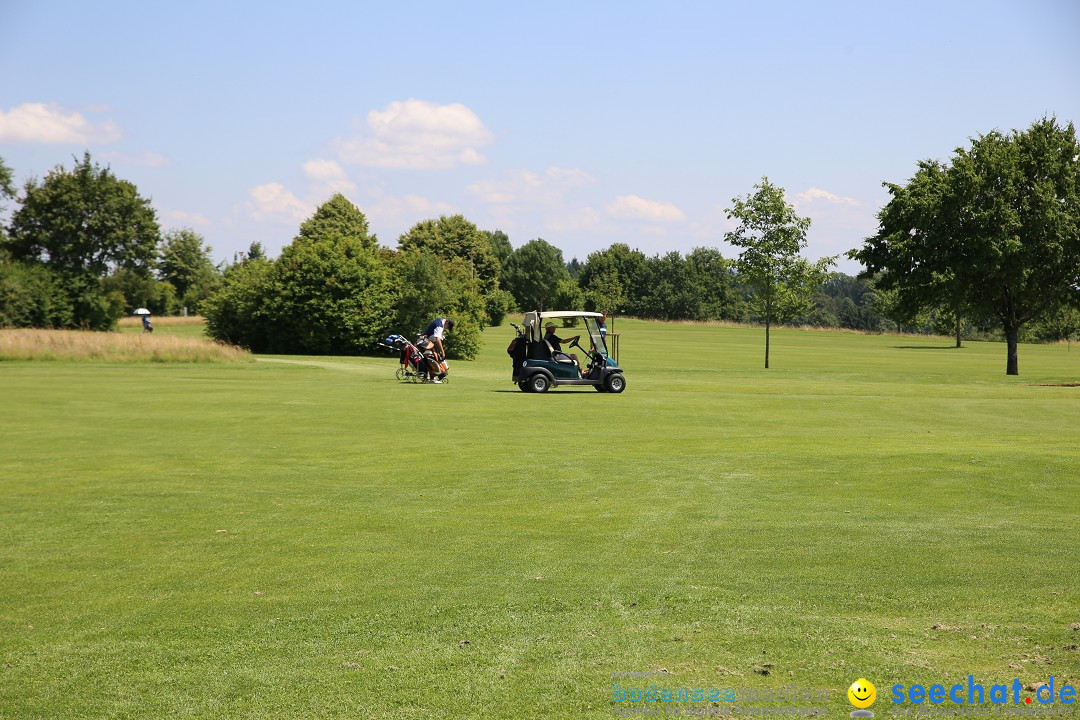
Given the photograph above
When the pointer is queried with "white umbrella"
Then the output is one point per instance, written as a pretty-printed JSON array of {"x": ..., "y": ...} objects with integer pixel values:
[{"x": 141, "y": 311}]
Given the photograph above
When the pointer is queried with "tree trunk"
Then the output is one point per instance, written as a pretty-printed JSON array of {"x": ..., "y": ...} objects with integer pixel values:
[
  {"x": 958, "y": 339},
  {"x": 1012, "y": 335},
  {"x": 766, "y": 342},
  {"x": 768, "y": 321}
]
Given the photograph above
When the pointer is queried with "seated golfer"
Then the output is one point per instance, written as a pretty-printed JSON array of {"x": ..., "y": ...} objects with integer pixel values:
[
  {"x": 556, "y": 345},
  {"x": 432, "y": 338}
]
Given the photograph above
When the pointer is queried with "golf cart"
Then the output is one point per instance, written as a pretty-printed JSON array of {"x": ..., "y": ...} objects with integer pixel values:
[{"x": 538, "y": 367}]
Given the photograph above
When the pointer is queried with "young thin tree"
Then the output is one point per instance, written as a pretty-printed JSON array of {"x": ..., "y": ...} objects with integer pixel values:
[{"x": 771, "y": 236}]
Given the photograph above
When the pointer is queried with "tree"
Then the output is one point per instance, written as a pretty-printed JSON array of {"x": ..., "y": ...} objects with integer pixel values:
[
  {"x": 141, "y": 290},
  {"x": 256, "y": 251},
  {"x": 612, "y": 279},
  {"x": 913, "y": 228},
  {"x": 7, "y": 188},
  {"x": 85, "y": 222},
  {"x": 574, "y": 268},
  {"x": 430, "y": 287},
  {"x": 185, "y": 264},
  {"x": 669, "y": 289},
  {"x": 236, "y": 312},
  {"x": 455, "y": 237},
  {"x": 1000, "y": 225},
  {"x": 498, "y": 304},
  {"x": 533, "y": 274},
  {"x": 336, "y": 217},
  {"x": 772, "y": 236},
  {"x": 328, "y": 293},
  {"x": 500, "y": 246},
  {"x": 715, "y": 276},
  {"x": 31, "y": 295}
]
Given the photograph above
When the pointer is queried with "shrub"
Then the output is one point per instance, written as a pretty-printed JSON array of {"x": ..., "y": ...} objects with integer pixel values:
[
  {"x": 32, "y": 296},
  {"x": 498, "y": 304},
  {"x": 235, "y": 313}
]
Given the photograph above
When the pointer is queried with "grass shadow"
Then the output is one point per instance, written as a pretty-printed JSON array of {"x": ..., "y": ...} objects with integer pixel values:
[{"x": 927, "y": 347}]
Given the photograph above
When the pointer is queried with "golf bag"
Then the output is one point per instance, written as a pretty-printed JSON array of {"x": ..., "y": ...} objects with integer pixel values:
[
  {"x": 437, "y": 366},
  {"x": 415, "y": 364}
]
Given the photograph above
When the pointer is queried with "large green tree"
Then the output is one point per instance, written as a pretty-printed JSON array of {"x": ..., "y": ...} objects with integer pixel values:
[
  {"x": 83, "y": 224},
  {"x": 534, "y": 273},
  {"x": 85, "y": 221},
  {"x": 328, "y": 292},
  {"x": 999, "y": 225},
  {"x": 452, "y": 238},
  {"x": 912, "y": 229},
  {"x": 338, "y": 217},
  {"x": 186, "y": 265},
  {"x": 772, "y": 237}
]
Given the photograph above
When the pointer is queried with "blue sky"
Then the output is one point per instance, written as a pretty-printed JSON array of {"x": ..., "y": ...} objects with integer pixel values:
[{"x": 581, "y": 123}]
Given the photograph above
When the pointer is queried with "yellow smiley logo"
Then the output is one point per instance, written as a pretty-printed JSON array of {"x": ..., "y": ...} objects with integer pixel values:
[{"x": 862, "y": 693}]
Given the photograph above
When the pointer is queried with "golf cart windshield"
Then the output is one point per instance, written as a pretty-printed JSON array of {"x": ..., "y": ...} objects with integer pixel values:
[{"x": 595, "y": 336}]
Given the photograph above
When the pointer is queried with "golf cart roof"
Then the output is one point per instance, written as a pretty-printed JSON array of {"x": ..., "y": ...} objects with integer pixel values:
[
  {"x": 534, "y": 321},
  {"x": 567, "y": 313}
]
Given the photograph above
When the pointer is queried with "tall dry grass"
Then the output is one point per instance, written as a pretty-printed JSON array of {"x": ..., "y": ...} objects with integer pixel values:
[{"x": 114, "y": 347}]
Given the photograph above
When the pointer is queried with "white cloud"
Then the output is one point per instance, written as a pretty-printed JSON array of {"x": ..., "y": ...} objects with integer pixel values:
[
  {"x": 416, "y": 134},
  {"x": 839, "y": 223},
  {"x": 326, "y": 170},
  {"x": 402, "y": 211},
  {"x": 632, "y": 207},
  {"x": 329, "y": 176},
  {"x": 53, "y": 125},
  {"x": 528, "y": 188},
  {"x": 812, "y": 195},
  {"x": 574, "y": 220},
  {"x": 272, "y": 201},
  {"x": 531, "y": 202},
  {"x": 186, "y": 219}
]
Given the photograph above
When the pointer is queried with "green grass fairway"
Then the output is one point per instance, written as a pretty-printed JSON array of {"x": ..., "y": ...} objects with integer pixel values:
[{"x": 308, "y": 538}]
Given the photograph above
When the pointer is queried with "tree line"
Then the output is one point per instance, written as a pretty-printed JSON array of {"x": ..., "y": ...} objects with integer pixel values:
[
  {"x": 986, "y": 246},
  {"x": 84, "y": 248}
]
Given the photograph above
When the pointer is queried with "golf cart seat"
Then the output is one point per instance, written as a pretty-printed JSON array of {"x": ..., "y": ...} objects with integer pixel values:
[{"x": 559, "y": 357}]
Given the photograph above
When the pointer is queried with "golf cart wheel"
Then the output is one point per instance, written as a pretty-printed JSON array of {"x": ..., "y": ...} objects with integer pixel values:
[
  {"x": 615, "y": 383},
  {"x": 523, "y": 386},
  {"x": 539, "y": 383},
  {"x": 401, "y": 375}
]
